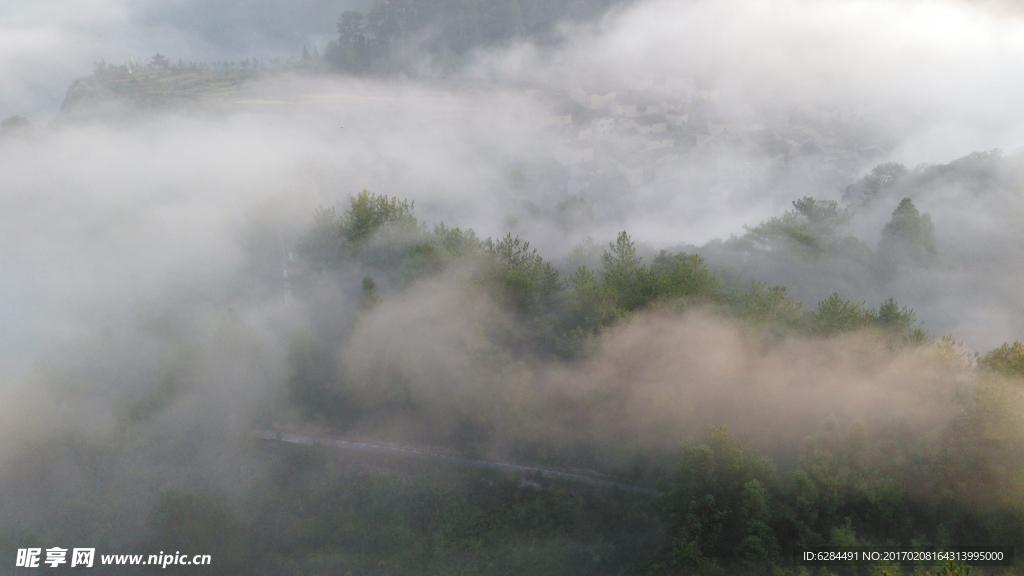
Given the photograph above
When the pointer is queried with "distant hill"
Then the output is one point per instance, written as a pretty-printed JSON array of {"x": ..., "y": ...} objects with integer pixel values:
[
  {"x": 114, "y": 90},
  {"x": 399, "y": 35}
]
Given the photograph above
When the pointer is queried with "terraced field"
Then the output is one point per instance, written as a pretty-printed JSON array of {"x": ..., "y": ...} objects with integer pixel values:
[{"x": 153, "y": 88}]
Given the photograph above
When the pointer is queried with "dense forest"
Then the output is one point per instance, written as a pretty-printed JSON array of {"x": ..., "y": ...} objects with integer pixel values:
[
  {"x": 727, "y": 507},
  {"x": 554, "y": 287},
  {"x": 485, "y": 348}
]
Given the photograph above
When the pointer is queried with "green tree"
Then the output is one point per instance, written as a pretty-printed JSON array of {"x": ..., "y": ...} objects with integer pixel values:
[
  {"x": 882, "y": 177},
  {"x": 592, "y": 308},
  {"x": 625, "y": 278},
  {"x": 369, "y": 213},
  {"x": 514, "y": 20},
  {"x": 837, "y": 315},
  {"x": 195, "y": 523},
  {"x": 442, "y": 247},
  {"x": 788, "y": 232},
  {"x": 523, "y": 279},
  {"x": 316, "y": 386},
  {"x": 770, "y": 305},
  {"x": 321, "y": 245},
  {"x": 719, "y": 503},
  {"x": 353, "y": 51},
  {"x": 811, "y": 227},
  {"x": 685, "y": 275},
  {"x": 455, "y": 241},
  {"x": 15, "y": 123},
  {"x": 368, "y": 296},
  {"x": 824, "y": 217},
  {"x": 759, "y": 548},
  {"x": 909, "y": 235},
  {"x": 899, "y": 324},
  {"x": 1007, "y": 359}
]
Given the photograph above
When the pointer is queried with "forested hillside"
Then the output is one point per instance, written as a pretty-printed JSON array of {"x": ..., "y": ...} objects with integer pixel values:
[
  {"x": 765, "y": 423},
  {"x": 954, "y": 478},
  {"x": 510, "y": 287},
  {"x": 402, "y": 33}
]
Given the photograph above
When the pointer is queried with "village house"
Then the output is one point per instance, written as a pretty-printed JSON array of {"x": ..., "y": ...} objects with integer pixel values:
[
  {"x": 704, "y": 96},
  {"x": 657, "y": 156},
  {"x": 628, "y": 137},
  {"x": 644, "y": 132},
  {"x": 592, "y": 101},
  {"x": 652, "y": 123},
  {"x": 632, "y": 168},
  {"x": 603, "y": 126},
  {"x": 560, "y": 120},
  {"x": 574, "y": 153},
  {"x": 660, "y": 140},
  {"x": 660, "y": 165},
  {"x": 677, "y": 119},
  {"x": 685, "y": 87},
  {"x": 582, "y": 177},
  {"x": 733, "y": 125},
  {"x": 624, "y": 110},
  {"x": 636, "y": 84}
]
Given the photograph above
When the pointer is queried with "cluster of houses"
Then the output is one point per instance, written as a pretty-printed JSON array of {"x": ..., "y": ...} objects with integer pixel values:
[{"x": 646, "y": 131}]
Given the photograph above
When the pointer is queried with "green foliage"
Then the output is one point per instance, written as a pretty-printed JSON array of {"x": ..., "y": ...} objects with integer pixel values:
[
  {"x": 759, "y": 547},
  {"x": 910, "y": 235},
  {"x": 836, "y": 316},
  {"x": 1008, "y": 359},
  {"x": 726, "y": 509},
  {"x": 823, "y": 217},
  {"x": 788, "y": 231},
  {"x": 685, "y": 275},
  {"x": 173, "y": 383},
  {"x": 368, "y": 296},
  {"x": 841, "y": 490},
  {"x": 686, "y": 558},
  {"x": 899, "y": 324},
  {"x": 983, "y": 453},
  {"x": 521, "y": 277},
  {"x": 321, "y": 244},
  {"x": 194, "y": 522},
  {"x": 811, "y": 227},
  {"x": 154, "y": 401},
  {"x": 719, "y": 505},
  {"x": 441, "y": 248},
  {"x": 559, "y": 317},
  {"x": 882, "y": 177},
  {"x": 591, "y": 306},
  {"x": 316, "y": 384},
  {"x": 149, "y": 88},
  {"x": 769, "y": 305},
  {"x": 625, "y": 279},
  {"x": 15, "y": 123},
  {"x": 954, "y": 569},
  {"x": 369, "y": 213},
  {"x": 355, "y": 48},
  {"x": 456, "y": 241},
  {"x": 627, "y": 285},
  {"x": 375, "y": 227},
  {"x": 420, "y": 520}
]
